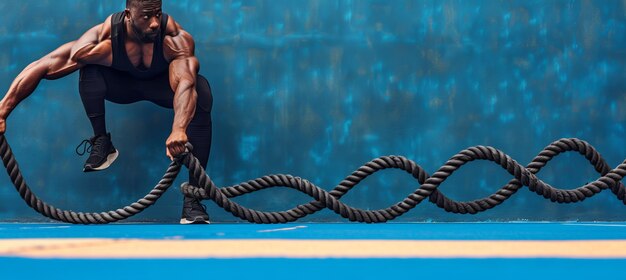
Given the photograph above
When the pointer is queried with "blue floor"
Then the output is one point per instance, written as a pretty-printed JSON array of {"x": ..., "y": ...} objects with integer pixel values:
[
  {"x": 283, "y": 268},
  {"x": 297, "y": 269},
  {"x": 409, "y": 231}
]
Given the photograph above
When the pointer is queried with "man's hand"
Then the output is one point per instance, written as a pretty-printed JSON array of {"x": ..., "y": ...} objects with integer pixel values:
[{"x": 175, "y": 144}]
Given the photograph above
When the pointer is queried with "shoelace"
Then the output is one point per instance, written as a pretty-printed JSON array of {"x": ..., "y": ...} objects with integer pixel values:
[
  {"x": 86, "y": 144},
  {"x": 91, "y": 145}
]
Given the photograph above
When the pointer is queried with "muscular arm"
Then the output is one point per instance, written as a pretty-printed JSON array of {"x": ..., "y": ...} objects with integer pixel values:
[
  {"x": 184, "y": 66},
  {"x": 183, "y": 72},
  {"x": 57, "y": 64}
]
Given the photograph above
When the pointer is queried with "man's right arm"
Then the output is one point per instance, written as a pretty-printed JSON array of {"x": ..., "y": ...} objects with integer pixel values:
[{"x": 89, "y": 49}]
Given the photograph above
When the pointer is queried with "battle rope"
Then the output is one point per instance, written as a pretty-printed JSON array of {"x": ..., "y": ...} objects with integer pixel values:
[{"x": 524, "y": 176}]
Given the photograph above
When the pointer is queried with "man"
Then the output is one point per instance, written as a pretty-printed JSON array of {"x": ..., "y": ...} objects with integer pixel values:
[{"x": 138, "y": 54}]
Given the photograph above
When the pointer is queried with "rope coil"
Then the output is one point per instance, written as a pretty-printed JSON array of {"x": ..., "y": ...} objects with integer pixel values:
[{"x": 523, "y": 176}]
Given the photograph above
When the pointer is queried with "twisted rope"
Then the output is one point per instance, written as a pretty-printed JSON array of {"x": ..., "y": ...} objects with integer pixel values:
[
  {"x": 69, "y": 216},
  {"x": 429, "y": 184},
  {"x": 523, "y": 176}
]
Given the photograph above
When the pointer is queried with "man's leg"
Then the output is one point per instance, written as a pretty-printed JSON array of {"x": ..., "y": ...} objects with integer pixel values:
[
  {"x": 199, "y": 130},
  {"x": 96, "y": 84},
  {"x": 199, "y": 134},
  {"x": 93, "y": 89}
]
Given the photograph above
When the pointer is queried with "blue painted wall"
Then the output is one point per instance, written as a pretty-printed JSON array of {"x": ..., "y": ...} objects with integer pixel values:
[{"x": 317, "y": 88}]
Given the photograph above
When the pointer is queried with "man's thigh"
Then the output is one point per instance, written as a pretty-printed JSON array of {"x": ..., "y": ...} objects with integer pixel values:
[
  {"x": 156, "y": 90},
  {"x": 119, "y": 86}
]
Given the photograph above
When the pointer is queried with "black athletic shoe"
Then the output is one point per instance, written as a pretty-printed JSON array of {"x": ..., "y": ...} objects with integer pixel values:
[
  {"x": 101, "y": 152},
  {"x": 194, "y": 212}
]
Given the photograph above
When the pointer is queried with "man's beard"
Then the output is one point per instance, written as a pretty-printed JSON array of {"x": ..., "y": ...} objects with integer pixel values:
[{"x": 141, "y": 35}]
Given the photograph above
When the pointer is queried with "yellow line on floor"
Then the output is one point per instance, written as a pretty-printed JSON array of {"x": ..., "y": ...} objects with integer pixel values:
[{"x": 275, "y": 248}]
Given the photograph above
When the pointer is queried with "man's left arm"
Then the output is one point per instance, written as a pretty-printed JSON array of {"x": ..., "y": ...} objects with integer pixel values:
[{"x": 183, "y": 71}]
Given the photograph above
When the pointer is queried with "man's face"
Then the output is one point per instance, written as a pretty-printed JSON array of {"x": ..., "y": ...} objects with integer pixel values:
[{"x": 145, "y": 20}]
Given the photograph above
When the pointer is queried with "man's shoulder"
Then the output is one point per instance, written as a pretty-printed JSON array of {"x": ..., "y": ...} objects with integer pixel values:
[
  {"x": 172, "y": 28},
  {"x": 177, "y": 41}
]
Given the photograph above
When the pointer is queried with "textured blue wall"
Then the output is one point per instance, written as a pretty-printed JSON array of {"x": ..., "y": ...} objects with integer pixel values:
[{"x": 317, "y": 88}]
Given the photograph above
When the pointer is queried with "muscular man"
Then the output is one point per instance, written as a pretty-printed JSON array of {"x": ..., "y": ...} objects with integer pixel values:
[{"x": 138, "y": 54}]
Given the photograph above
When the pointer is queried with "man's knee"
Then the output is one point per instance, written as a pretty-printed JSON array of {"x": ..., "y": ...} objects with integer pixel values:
[
  {"x": 204, "y": 101},
  {"x": 91, "y": 81}
]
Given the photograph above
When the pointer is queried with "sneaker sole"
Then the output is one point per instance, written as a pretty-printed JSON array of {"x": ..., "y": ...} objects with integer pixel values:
[
  {"x": 110, "y": 159},
  {"x": 196, "y": 221}
]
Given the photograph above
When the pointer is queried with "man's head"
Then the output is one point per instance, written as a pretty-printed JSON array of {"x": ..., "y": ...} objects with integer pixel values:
[{"x": 145, "y": 18}]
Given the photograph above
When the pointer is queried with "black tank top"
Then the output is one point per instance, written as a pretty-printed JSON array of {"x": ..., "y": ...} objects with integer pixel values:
[{"x": 120, "y": 58}]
